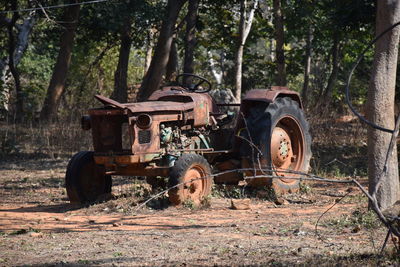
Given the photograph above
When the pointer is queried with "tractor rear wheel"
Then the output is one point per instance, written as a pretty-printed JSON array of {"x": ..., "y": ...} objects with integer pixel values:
[
  {"x": 85, "y": 181},
  {"x": 282, "y": 134},
  {"x": 191, "y": 179}
]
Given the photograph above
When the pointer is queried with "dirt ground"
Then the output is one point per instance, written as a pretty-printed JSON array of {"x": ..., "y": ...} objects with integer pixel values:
[{"x": 39, "y": 227}]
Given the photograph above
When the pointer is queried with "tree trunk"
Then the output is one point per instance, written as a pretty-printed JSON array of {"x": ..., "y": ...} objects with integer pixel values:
[
  {"x": 172, "y": 66},
  {"x": 239, "y": 52},
  {"x": 244, "y": 30},
  {"x": 307, "y": 67},
  {"x": 20, "y": 44},
  {"x": 280, "y": 42},
  {"x": 381, "y": 106},
  {"x": 190, "y": 36},
  {"x": 149, "y": 49},
  {"x": 11, "y": 63},
  {"x": 24, "y": 30},
  {"x": 335, "y": 69},
  {"x": 59, "y": 76},
  {"x": 153, "y": 77},
  {"x": 238, "y": 76},
  {"x": 120, "y": 92}
]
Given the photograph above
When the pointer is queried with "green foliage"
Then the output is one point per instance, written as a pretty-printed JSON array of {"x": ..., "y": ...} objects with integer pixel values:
[
  {"x": 305, "y": 188},
  {"x": 96, "y": 49},
  {"x": 357, "y": 220},
  {"x": 189, "y": 204},
  {"x": 227, "y": 191},
  {"x": 36, "y": 68}
]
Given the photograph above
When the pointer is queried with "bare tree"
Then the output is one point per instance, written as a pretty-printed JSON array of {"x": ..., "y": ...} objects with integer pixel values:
[
  {"x": 381, "y": 107},
  {"x": 120, "y": 92},
  {"x": 153, "y": 76},
  {"x": 17, "y": 45},
  {"x": 172, "y": 66},
  {"x": 244, "y": 30},
  {"x": 280, "y": 42},
  {"x": 149, "y": 48},
  {"x": 335, "y": 62},
  {"x": 190, "y": 36},
  {"x": 59, "y": 76},
  {"x": 11, "y": 63},
  {"x": 307, "y": 65}
]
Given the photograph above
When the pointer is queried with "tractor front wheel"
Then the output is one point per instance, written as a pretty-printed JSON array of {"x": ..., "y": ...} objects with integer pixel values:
[
  {"x": 85, "y": 181},
  {"x": 191, "y": 180}
]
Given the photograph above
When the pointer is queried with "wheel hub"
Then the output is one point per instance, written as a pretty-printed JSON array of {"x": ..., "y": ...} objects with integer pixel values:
[
  {"x": 193, "y": 184},
  {"x": 281, "y": 148}
]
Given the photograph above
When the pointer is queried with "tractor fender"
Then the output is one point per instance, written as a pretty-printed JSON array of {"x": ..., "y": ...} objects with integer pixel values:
[{"x": 269, "y": 95}]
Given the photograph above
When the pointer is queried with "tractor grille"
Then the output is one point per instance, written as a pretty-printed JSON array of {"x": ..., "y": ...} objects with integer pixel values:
[
  {"x": 144, "y": 136},
  {"x": 111, "y": 134},
  {"x": 126, "y": 137}
]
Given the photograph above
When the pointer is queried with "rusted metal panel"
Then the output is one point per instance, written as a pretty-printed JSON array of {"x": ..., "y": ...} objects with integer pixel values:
[
  {"x": 104, "y": 111},
  {"x": 132, "y": 168},
  {"x": 201, "y": 111},
  {"x": 111, "y": 160},
  {"x": 122, "y": 160},
  {"x": 228, "y": 177},
  {"x": 269, "y": 95},
  {"x": 169, "y": 91},
  {"x": 152, "y": 106},
  {"x": 153, "y": 144},
  {"x": 107, "y": 132},
  {"x": 138, "y": 170},
  {"x": 109, "y": 101},
  {"x": 203, "y": 104},
  {"x": 149, "y": 106}
]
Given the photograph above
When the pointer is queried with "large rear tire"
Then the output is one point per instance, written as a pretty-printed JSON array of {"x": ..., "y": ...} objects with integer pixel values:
[
  {"x": 191, "y": 176},
  {"x": 281, "y": 131},
  {"x": 85, "y": 181}
]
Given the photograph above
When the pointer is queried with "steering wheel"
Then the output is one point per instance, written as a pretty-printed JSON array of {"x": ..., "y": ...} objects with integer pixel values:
[{"x": 192, "y": 83}]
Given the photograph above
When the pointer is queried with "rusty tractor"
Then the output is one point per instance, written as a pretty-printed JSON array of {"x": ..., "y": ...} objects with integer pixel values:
[{"x": 180, "y": 132}]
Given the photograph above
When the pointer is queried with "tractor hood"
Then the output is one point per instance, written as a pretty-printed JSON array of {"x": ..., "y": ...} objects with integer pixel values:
[
  {"x": 168, "y": 99},
  {"x": 153, "y": 106},
  {"x": 196, "y": 106},
  {"x": 148, "y": 106}
]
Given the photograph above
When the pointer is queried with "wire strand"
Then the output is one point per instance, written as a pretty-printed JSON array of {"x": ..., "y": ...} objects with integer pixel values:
[
  {"x": 51, "y": 7},
  {"x": 347, "y": 89}
]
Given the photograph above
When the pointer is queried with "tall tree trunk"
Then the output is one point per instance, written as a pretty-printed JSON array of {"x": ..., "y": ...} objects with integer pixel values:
[
  {"x": 172, "y": 66},
  {"x": 20, "y": 45},
  {"x": 59, "y": 76},
  {"x": 120, "y": 92},
  {"x": 244, "y": 30},
  {"x": 11, "y": 63},
  {"x": 153, "y": 77},
  {"x": 335, "y": 55},
  {"x": 381, "y": 106},
  {"x": 307, "y": 67},
  {"x": 190, "y": 36},
  {"x": 280, "y": 42},
  {"x": 239, "y": 52},
  {"x": 149, "y": 49}
]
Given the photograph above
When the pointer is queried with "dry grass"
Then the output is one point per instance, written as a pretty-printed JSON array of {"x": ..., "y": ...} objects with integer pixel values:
[
  {"x": 339, "y": 142},
  {"x": 55, "y": 140}
]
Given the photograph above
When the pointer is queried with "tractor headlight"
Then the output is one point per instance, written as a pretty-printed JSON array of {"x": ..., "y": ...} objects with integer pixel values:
[{"x": 144, "y": 121}]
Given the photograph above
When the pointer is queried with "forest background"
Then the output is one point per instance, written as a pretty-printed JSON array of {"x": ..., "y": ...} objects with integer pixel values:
[{"x": 306, "y": 45}]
